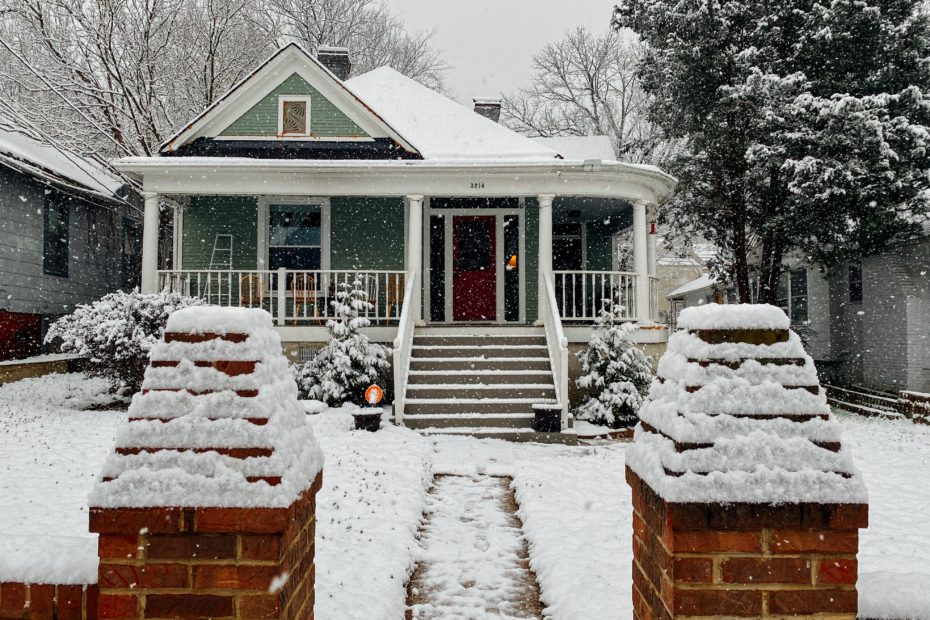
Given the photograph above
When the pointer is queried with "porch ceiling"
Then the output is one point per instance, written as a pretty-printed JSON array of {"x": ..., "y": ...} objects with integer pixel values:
[{"x": 590, "y": 209}]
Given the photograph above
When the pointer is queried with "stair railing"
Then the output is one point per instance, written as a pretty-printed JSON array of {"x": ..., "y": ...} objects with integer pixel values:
[
  {"x": 557, "y": 344},
  {"x": 403, "y": 343}
]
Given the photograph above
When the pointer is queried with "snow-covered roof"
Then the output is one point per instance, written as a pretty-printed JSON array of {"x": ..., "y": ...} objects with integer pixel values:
[
  {"x": 55, "y": 163},
  {"x": 698, "y": 284},
  {"x": 580, "y": 147},
  {"x": 438, "y": 127}
]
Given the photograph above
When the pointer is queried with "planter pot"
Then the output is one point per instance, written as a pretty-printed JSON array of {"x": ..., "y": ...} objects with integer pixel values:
[
  {"x": 367, "y": 420},
  {"x": 547, "y": 418}
]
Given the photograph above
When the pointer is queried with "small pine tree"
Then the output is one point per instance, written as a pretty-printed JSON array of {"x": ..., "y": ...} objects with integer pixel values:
[
  {"x": 350, "y": 362},
  {"x": 616, "y": 373}
]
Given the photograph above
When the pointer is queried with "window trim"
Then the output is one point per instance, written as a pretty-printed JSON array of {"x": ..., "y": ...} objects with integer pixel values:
[
  {"x": 61, "y": 205},
  {"x": 787, "y": 273},
  {"x": 264, "y": 226},
  {"x": 282, "y": 99}
]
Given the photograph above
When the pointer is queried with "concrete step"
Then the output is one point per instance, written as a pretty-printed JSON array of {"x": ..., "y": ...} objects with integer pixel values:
[
  {"x": 479, "y": 340},
  {"x": 480, "y": 432},
  {"x": 479, "y": 363},
  {"x": 541, "y": 391},
  {"x": 479, "y": 351},
  {"x": 495, "y": 420},
  {"x": 477, "y": 377},
  {"x": 414, "y": 406}
]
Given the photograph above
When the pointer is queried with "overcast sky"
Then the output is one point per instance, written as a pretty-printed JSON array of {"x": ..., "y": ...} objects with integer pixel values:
[{"x": 489, "y": 44}]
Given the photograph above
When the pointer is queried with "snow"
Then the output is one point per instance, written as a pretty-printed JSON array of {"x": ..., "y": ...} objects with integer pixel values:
[
  {"x": 39, "y": 158},
  {"x": 580, "y": 147},
  {"x": 437, "y": 126},
  {"x": 733, "y": 316},
  {"x": 698, "y": 284},
  {"x": 41, "y": 359},
  {"x": 217, "y": 320}
]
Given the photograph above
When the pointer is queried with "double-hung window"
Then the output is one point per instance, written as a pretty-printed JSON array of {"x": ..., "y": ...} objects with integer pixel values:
[
  {"x": 295, "y": 238},
  {"x": 56, "y": 218},
  {"x": 855, "y": 284},
  {"x": 792, "y": 295}
]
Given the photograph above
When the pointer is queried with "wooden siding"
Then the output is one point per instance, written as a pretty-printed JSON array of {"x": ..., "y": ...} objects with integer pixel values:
[
  {"x": 208, "y": 216},
  {"x": 326, "y": 120},
  {"x": 95, "y": 249},
  {"x": 367, "y": 233}
]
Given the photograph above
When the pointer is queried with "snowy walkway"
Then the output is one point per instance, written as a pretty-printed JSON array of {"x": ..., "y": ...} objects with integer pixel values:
[{"x": 474, "y": 562}]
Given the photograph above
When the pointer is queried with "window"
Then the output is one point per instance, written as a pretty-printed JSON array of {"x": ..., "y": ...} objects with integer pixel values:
[
  {"x": 791, "y": 295},
  {"x": 295, "y": 236},
  {"x": 568, "y": 246},
  {"x": 294, "y": 116},
  {"x": 855, "y": 284},
  {"x": 132, "y": 250},
  {"x": 56, "y": 216}
]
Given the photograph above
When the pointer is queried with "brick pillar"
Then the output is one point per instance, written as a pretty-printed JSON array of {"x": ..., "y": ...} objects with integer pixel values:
[
  {"x": 744, "y": 504},
  {"x": 215, "y": 519}
]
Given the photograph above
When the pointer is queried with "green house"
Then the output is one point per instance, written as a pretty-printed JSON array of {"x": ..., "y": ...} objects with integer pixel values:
[{"x": 299, "y": 179}]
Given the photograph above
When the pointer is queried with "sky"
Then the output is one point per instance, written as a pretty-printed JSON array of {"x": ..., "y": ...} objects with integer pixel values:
[{"x": 489, "y": 44}]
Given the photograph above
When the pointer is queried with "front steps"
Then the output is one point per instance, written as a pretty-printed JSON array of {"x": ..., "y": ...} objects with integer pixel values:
[{"x": 479, "y": 382}]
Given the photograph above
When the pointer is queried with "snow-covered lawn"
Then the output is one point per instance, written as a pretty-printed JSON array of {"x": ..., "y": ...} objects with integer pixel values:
[{"x": 573, "y": 502}]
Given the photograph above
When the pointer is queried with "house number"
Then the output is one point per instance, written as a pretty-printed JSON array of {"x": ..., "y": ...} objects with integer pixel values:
[{"x": 477, "y": 185}]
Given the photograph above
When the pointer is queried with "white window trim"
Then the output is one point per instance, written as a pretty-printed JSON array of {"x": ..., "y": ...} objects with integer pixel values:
[
  {"x": 264, "y": 226},
  {"x": 299, "y": 98}
]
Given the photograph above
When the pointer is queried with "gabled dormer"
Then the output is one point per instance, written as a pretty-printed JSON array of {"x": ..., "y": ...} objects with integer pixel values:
[{"x": 290, "y": 107}]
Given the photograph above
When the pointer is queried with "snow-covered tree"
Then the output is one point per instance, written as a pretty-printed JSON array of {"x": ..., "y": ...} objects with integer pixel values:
[
  {"x": 350, "y": 362},
  {"x": 616, "y": 374},
  {"x": 806, "y": 125},
  {"x": 116, "y": 333}
]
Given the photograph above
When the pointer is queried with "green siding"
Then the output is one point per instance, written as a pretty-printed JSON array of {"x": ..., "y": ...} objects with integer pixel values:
[
  {"x": 326, "y": 120},
  {"x": 367, "y": 233},
  {"x": 531, "y": 217},
  {"x": 208, "y": 216}
]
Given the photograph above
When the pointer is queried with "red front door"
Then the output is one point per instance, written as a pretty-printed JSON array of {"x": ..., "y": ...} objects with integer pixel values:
[{"x": 474, "y": 283}]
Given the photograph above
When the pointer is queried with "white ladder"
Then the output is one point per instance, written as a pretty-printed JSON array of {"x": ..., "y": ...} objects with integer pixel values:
[{"x": 222, "y": 246}]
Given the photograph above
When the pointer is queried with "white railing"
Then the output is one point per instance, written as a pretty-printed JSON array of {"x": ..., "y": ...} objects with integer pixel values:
[
  {"x": 557, "y": 343},
  {"x": 653, "y": 298},
  {"x": 580, "y": 295},
  {"x": 403, "y": 345},
  {"x": 298, "y": 297}
]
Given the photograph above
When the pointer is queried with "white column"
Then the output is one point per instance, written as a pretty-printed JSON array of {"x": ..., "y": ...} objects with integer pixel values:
[
  {"x": 652, "y": 239},
  {"x": 150, "y": 244},
  {"x": 640, "y": 261},
  {"x": 414, "y": 256},
  {"x": 545, "y": 245}
]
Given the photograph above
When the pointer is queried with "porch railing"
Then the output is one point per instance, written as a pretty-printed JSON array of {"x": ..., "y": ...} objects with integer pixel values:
[
  {"x": 298, "y": 297},
  {"x": 653, "y": 298},
  {"x": 403, "y": 344},
  {"x": 557, "y": 343},
  {"x": 580, "y": 295}
]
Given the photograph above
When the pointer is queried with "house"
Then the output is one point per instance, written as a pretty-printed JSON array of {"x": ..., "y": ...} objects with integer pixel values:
[
  {"x": 68, "y": 235},
  {"x": 485, "y": 254}
]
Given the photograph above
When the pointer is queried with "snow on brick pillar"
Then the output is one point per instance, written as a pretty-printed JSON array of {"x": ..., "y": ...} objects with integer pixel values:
[
  {"x": 206, "y": 508},
  {"x": 745, "y": 502}
]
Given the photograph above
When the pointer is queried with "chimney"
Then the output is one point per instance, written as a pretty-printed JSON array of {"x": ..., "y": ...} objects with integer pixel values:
[
  {"x": 336, "y": 59},
  {"x": 488, "y": 107}
]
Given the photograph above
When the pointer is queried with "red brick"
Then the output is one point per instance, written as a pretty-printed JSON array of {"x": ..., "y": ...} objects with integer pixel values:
[
  {"x": 259, "y": 606},
  {"x": 69, "y": 602},
  {"x": 91, "y": 601},
  {"x": 260, "y": 547},
  {"x": 120, "y": 576},
  {"x": 41, "y": 602},
  {"x": 224, "y": 577},
  {"x": 235, "y": 368},
  {"x": 188, "y": 606},
  {"x": 838, "y": 571},
  {"x": 693, "y": 570},
  {"x": 135, "y": 520},
  {"x": 813, "y": 601},
  {"x": 767, "y": 570},
  {"x": 165, "y": 576},
  {"x": 738, "y": 603},
  {"x": 715, "y": 541},
  {"x": 116, "y": 606},
  {"x": 117, "y": 547},
  {"x": 242, "y": 520},
  {"x": 807, "y": 541},
  {"x": 191, "y": 547},
  {"x": 12, "y": 600}
]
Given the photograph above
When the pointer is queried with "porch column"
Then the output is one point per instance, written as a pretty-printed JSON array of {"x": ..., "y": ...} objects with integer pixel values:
[
  {"x": 414, "y": 256},
  {"x": 150, "y": 243},
  {"x": 640, "y": 261},
  {"x": 652, "y": 239},
  {"x": 545, "y": 245}
]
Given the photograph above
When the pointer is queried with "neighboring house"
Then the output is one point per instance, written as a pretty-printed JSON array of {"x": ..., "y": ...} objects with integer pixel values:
[
  {"x": 461, "y": 231},
  {"x": 67, "y": 236}
]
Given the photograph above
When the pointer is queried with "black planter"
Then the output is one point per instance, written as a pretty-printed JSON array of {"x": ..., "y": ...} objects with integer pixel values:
[
  {"x": 367, "y": 421},
  {"x": 547, "y": 418}
]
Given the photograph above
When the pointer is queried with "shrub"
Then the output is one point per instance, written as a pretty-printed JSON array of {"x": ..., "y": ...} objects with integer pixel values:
[
  {"x": 616, "y": 373},
  {"x": 116, "y": 333},
  {"x": 350, "y": 362}
]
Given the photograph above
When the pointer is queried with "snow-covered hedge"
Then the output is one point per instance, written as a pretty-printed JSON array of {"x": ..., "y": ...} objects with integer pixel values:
[
  {"x": 117, "y": 332},
  {"x": 350, "y": 362}
]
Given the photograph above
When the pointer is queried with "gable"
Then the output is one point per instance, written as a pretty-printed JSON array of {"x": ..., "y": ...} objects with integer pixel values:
[{"x": 326, "y": 120}]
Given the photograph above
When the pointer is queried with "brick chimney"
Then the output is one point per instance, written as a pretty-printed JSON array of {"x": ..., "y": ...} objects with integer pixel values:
[
  {"x": 336, "y": 59},
  {"x": 488, "y": 107}
]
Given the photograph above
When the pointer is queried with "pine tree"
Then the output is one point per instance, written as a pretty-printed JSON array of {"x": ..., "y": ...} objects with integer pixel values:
[
  {"x": 806, "y": 125},
  {"x": 616, "y": 373},
  {"x": 350, "y": 362}
]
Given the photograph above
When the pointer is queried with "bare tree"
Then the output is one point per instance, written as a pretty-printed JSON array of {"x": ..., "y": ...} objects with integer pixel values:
[{"x": 586, "y": 84}]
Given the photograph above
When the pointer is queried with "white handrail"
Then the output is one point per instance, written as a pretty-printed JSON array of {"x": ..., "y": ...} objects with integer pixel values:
[
  {"x": 557, "y": 343},
  {"x": 403, "y": 344}
]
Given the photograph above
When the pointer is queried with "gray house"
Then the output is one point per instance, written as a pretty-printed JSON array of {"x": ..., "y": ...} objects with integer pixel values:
[{"x": 68, "y": 235}]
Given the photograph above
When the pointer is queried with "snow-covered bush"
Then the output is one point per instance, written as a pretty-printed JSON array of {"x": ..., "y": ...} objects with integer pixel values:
[
  {"x": 350, "y": 362},
  {"x": 116, "y": 333},
  {"x": 616, "y": 374}
]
